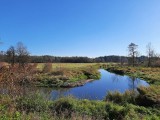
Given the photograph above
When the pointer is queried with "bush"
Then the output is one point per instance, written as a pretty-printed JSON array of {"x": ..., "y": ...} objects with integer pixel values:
[
  {"x": 96, "y": 109},
  {"x": 149, "y": 96},
  {"x": 91, "y": 73},
  {"x": 64, "y": 105},
  {"x": 140, "y": 112},
  {"x": 117, "y": 97},
  {"x": 32, "y": 103},
  {"x": 115, "y": 111},
  {"x": 47, "y": 68},
  {"x": 69, "y": 105}
]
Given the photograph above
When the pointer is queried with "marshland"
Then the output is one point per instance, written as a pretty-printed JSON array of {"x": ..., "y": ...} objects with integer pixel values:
[
  {"x": 62, "y": 91},
  {"x": 79, "y": 60}
]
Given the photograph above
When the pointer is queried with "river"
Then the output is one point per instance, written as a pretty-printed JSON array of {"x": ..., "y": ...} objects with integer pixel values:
[{"x": 94, "y": 90}]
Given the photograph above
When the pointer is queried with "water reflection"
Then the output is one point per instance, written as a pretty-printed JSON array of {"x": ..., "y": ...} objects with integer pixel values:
[
  {"x": 98, "y": 88},
  {"x": 95, "y": 90},
  {"x": 115, "y": 78}
]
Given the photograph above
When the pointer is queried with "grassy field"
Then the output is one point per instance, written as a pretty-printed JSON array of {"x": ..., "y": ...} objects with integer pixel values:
[
  {"x": 66, "y": 74},
  {"x": 53, "y": 74},
  {"x": 55, "y": 66}
]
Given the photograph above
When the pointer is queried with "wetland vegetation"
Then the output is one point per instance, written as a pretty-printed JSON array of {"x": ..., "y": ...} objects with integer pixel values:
[
  {"x": 116, "y": 105},
  {"x": 79, "y": 60},
  {"x": 17, "y": 102}
]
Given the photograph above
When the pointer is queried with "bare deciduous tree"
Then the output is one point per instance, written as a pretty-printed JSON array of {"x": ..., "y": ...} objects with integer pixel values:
[
  {"x": 133, "y": 53},
  {"x": 11, "y": 55},
  {"x": 150, "y": 54},
  {"x": 22, "y": 54}
]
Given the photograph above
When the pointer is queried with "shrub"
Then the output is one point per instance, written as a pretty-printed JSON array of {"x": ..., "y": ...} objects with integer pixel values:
[
  {"x": 140, "y": 112},
  {"x": 96, "y": 109},
  {"x": 91, "y": 73},
  {"x": 68, "y": 106},
  {"x": 47, "y": 68},
  {"x": 149, "y": 96},
  {"x": 64, "y": 105},
  {"x": 115, "y": 112},
  {"x": 117, "y": 97},
  {"x": 32, "y": 103}
]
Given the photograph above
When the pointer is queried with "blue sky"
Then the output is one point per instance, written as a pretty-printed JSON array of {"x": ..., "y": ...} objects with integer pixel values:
[{"x": 80, "y": 27}]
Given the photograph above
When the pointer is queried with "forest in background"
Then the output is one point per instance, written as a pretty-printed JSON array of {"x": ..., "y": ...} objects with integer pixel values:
[{"x": 20, "y": 54}]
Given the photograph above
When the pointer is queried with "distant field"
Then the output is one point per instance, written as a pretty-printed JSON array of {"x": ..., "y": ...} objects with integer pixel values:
[{"x": 66, "y": 65}]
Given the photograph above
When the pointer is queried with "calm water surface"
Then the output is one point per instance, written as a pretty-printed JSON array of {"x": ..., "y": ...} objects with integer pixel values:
[{"x": 97, "y": 90}]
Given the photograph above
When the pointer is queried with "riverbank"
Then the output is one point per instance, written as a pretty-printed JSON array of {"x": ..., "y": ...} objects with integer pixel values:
[
  {"x": 67, "y": 77},
  {"x": 149, "y": 96},
  {"x": 151, "y": 75},
  {"x": 45, "y": 75},
  {"x": 35, "y": 106}
]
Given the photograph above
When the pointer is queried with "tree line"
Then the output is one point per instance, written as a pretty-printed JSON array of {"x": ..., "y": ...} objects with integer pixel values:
[{"x": 19, "y": 54}]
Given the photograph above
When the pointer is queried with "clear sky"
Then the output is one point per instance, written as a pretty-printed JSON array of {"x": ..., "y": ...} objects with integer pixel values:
[{"x": 80, "y": 27}]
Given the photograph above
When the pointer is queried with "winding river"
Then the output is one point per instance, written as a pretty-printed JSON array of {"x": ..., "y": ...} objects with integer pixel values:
[
  {"x": 94, "y": 90},
  {"x": 97, "y": 90}
]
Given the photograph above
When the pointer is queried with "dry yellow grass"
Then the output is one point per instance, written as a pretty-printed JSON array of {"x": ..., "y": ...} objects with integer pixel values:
[{"x": 66, "y": 65}]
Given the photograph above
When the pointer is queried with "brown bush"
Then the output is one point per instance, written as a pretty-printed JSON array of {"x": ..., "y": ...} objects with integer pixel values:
[{"x": 47, "y": 68}]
